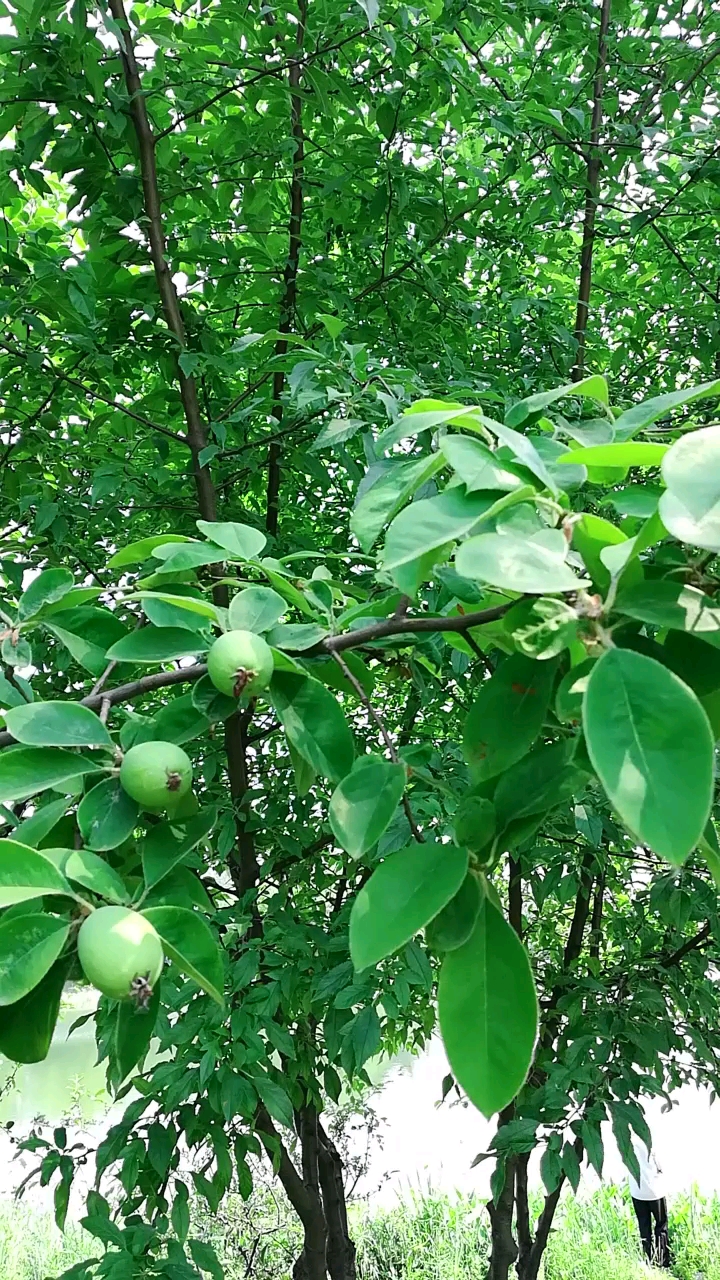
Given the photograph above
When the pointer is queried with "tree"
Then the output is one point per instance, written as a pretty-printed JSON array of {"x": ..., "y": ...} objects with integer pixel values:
[{"x": 202, "y": 239}]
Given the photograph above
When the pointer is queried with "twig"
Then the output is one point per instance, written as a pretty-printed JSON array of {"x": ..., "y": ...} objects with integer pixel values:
[
  {"x": 375, "y": 715},
  {"x": 103, "y": 679},
  {"x": 105, "y": 706}
]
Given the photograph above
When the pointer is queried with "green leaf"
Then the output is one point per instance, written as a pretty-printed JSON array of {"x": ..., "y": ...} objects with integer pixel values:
[
  {"x": 631, "y": 454},
  {"x": 29, "y": 946},
  {"x": 157, "y": 644},
  {"x": 49, "y": 586},
  {"x": 134, "y": 1027},
  {"x": 539, "y": 782},
  {"x": 34, "y": 829},
  {"x": 475, "y": 822},
  {"x": 424, "y": 415},
  {"x": 381, "y": 501},
  {"x": 402, "y": 895},
  {"x": 591, "y": 534},
  {"x": 641, "y": 415},
  {"x": 313, "y": 723},
  {"x": 57, "y": 724},
  {"x": 690, "y": 509},
  {"x": 169, "y": 843},
  {"x": 190, "y": 943},
  {"x": 650, "y": 742},
  {"x": 488, "y": 1012},
  {"x": 88, "y": 655},
  {"x": 256, "y": 609},
  {"x": 90, "y": 871},
  {"x": 547, "y": 627},
  {"x": 180, "y": 720},
  {"x": 276, "y": 1101},
  {"x": 636, "y": 500},
  {"x": 477, "y": 466},
  {"x": 205, "y": 1258},
  {"x": 10, "y": 696},
  {"x": 203, "y": 610},
  {"x": 241, "y": 541},
  {"x": 571, "y": 692},
  {"x": 25, "y": 873},
  {"x": 363, "y": 1037},
  {"x": 26, "y": 770},
  {"x": 507, "y": 714},
  {"x": 27, "y": 1026},
  {"x": 337, "y": 431},
  {"x": 534, "y": 565},
  {"x": 364, "y": 803},
  {"x": 137, "y": 552},
  {"x": 192, "y": 555},
  {"x": 107, "y": 815},
  {"x": 674, "y": 605},
  {"x": 593, "y": 1144},
  {"x": 296, "y": 636},
  {"x": 431, "y": 523},
  {"x": 523, "y": 450},
  {"x": 595, "y": 387},
  {"x": 456, "y": 922}
]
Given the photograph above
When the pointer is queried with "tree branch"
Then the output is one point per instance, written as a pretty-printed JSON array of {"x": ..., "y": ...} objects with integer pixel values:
[
  {"x": 691, "y": 945},
  {"x": 413, "y": 626},
  {"x": 196, "y": 433},
  {"x": 289, "y": 298}
]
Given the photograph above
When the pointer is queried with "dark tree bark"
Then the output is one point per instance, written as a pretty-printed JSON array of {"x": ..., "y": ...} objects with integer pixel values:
[{"x": 340, "y": 1250}]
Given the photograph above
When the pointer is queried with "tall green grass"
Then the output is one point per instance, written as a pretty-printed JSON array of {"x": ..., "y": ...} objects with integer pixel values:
[{"x": 424, "y": 1237}]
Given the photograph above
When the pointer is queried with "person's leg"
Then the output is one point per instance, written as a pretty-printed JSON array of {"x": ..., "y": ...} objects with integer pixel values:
[
  {"x": 644, "y": 1218},
  {"x": 662, "y": 1242}
]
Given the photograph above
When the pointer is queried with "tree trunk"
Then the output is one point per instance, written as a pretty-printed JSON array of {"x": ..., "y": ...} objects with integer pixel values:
[
  {"x": 504, "y": 1250},
  {"x": 340, "y": 1250}
]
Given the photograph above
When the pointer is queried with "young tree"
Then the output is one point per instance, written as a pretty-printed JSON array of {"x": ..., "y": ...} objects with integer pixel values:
[{"x": 201, "y": 208}]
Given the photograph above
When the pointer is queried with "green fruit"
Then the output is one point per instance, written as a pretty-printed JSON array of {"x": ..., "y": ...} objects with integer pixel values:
[
  {"x": 156, "y": 774},
  {"x": 240, "y": 663},
  {"x": 120, "y": 953}
]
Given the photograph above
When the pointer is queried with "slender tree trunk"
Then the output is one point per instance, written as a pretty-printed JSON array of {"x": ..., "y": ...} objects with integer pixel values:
[
  {"x": 289, "y": 295},
  {"x": 341, "y": 1250},
  {"x": 503, "y": 1249},
  {"x": 592, "y": 191}
]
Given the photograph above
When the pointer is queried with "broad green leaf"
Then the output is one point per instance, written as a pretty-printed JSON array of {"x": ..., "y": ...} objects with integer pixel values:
[
  {"x": 418, "y": 419},
  {"x": 650, "y": 742},
  {"x": 29, "y": 946},
  {"x": 313, "y": 722},
  {"x": 382, "y": 500},
  {"x": 364, "y": 803},
  {"x": 27, "y": 1026},
  {"x": 241, "y": 541},
  {"x": 168, "y": 844},
  {"x": 544, "y": 629},
  {"x": 276, "y": 1100},
  {"x": 49, "y": 586},
  {"x": 24, "y": 771},
  {"x": 107, "y": 815},
  {"x": 180, "y": 720},
  {"x": 635, "y": 500},
  {"x": 57, "y": 724},
  {"x": 507, "y": 715},
  {"x": 190, "y": 943},
  {"x": 571, "y": 692},
  {"x": 475, "y": 822},
  {"x": 594, "y": 387},
  {"x": 488, "y": 1012},
  {"x": 296, "y": 636},
  {"x": 456, "y": 922},
  {"x": 672, "y": 604},
  {"x": 133, "y": 1031},
  {"x": 337, "y": 431},
  {"x": 90, "y": 871},
  {"x": 256, "y": 609},
  {"x": 402, "y": 895},
  {"x": 590, "y": 535},
  {"x": 137, "y": 552},
  {"x": 477, "y": 466},
  {"x": 538, "y": 783},
  {"x": 431, "y": 523},
  {"x": 88, "y": 655},
  {"x": 157, "y": 644},
  {"x": 34, "y": 829},
  {"x": 25, "y": 873},
  {"x": 641, "y": 415},
  {"x": 523, "y": 450},
  {"x": 535, "y": 565},
  {"x": 690, "y": 509},
  {"x": 593, "y": 1144},
  {"x": 75, "y": 597},
  {"x": 192, "y": 555},
  {"x": 634, "y": 453},
  {"x": 10, "y": 695},
  {"x": 212, "y": 704},
  {"x": 185, "y": 603},
  {"x": 552, "y": 452}
]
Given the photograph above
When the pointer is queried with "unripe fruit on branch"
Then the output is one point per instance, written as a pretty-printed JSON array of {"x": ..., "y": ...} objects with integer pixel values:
[
  {"x": 240, "y": 662},
  {"x": 156, "y": 774},
  {"x": 120, "y": 953}
]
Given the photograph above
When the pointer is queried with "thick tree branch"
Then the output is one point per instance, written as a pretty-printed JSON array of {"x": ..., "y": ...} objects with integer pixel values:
[
  {"x": 196, "y": 433},
  {"x": 691, "y": 945},
  {"x": 413, "y": 626},
  {"x": 592, "y": 189},
  {"x": 289, "y": 297}
]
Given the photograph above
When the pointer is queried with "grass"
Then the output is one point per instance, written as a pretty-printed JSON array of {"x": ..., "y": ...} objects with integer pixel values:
[{"x": 424, "y": 1237}]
